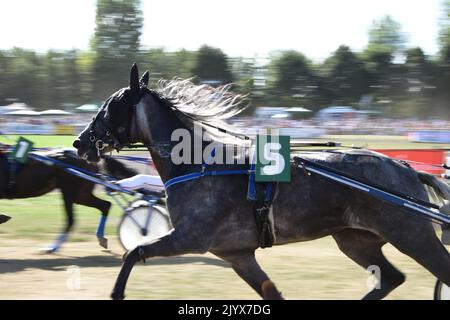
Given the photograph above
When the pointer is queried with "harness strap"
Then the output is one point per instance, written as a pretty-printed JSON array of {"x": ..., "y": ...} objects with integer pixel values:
[
  {"x": 180, "y": 179},
  {"x": 204, "y": 172},
  {"x": 196, "y": 175}
]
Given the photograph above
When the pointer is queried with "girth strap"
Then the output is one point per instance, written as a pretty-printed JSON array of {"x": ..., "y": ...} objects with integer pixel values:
[{"x": 262, "y": 194}]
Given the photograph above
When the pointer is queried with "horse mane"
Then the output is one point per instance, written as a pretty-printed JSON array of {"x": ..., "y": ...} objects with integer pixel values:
[
  {"x": 204, "y": 105},
  {"x": 202, "y": 102}
]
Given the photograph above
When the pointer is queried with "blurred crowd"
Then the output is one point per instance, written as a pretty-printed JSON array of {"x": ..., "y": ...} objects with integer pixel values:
[
  {"x": 316, "y": 127},
  {"x": 376, "y": 126}
]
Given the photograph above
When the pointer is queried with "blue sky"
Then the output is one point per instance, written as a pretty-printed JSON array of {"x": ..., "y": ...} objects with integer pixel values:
[{"x": 239, "y": 27}]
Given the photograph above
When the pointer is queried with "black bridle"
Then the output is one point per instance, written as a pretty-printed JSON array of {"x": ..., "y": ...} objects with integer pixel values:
[
  {"x": 118, "y": 140},
  {"x": 113, "y": 137},
  {"x": 99, "y": 143}
]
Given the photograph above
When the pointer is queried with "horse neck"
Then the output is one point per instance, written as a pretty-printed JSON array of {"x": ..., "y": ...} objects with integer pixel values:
[{"x": 154, "y": 124}]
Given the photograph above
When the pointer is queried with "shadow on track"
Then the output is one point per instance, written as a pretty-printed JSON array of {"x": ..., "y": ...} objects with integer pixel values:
[{"x": 60, "y": 263}]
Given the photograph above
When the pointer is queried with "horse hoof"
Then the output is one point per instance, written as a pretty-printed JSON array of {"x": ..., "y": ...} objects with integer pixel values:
[
  {"x": 4, "y": 218},
  {"x": 103, "y": 242},
  {"x": 270, "y": 292},
  {"x": 48, "y": 250},
  {"x": 117, "y": 296}
]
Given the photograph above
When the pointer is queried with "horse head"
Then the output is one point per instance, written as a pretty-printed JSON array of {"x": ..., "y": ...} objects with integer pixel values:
[{"x": 111, "y": 128}]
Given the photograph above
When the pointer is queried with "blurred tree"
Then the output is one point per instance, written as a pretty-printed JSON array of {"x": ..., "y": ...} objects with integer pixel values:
[
  {"x": 48, "y": 80},
  {"x": 419, "y": 71},
  {"x": 116, "y": 44},
  {"x": 291, "y": 79},
  {"x": 21, "y": 77},
  {"x": 243, "y": 71},
  {"x": 72, "y": 79},
  {"x": 386, "y": 44},
  {"x": 85, "y": 66},
  {"x": 183, "y": 62},
  {"x": 212, "y": 66},
  {"x": 52, "y": 80},
  {"x": 167, "y": 65},
  {"x": 444, "y": 34},
  {"x": 386, "y": 34},
  {"x": 346, "y": 76},
  {"x": 420, "y": 88},
  {"x": 156, "y": 61}
]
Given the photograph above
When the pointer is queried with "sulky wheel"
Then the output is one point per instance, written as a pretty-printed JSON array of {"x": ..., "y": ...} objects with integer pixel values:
[
  {"x": 441, "y": 291},
  {"x": 141, "y": 223}
]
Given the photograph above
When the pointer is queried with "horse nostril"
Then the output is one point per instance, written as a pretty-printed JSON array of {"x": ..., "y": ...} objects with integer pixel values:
[{"x": 77, "y": 144}]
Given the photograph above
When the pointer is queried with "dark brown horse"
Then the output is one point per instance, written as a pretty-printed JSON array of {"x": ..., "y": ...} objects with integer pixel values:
[{"x": 36, "y": 178}]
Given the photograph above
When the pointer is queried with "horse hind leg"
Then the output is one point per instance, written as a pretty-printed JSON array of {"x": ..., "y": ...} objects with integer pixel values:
[
  {"x": 364, "y": 248},
  {"x": 104, "y": 206},
  {"x": 62, "y": 237},
  {"x": 246, "y": 266},
  {"x": 419, "y": 241},
  {"x": 412, "y": 235}
]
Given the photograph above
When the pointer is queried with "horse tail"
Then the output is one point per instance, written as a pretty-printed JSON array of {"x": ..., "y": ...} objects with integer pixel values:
[
  {"x": 440, "y": 187},
  {"x": 117, "y": 169}
]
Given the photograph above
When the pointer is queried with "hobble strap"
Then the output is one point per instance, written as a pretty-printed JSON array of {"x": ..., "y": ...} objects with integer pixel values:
[{"x": 100, "y": 233}]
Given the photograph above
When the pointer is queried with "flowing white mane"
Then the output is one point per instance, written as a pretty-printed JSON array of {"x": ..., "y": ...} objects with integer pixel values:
[{"x": 202, "y": 102}]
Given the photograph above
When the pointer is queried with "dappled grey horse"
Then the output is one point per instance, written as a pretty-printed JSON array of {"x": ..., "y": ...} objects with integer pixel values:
[{"x": 212, "y": 214}]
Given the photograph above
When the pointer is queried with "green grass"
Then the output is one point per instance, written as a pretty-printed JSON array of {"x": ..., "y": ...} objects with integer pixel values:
[
  {"x": 43, "y": 217},
  {"x": 367, "y": 141},
  {"x": 41, "y": 141}
]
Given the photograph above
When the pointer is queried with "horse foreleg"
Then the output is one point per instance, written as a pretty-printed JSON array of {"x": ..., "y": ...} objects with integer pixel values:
[
  {"x": 246, "y": 266},
  {"x": 174, "y": 243}
]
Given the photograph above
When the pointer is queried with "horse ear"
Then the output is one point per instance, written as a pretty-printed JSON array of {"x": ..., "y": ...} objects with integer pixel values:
[
  {"x": 134, "y": 78},
  {"x": 144, "y": 79}
]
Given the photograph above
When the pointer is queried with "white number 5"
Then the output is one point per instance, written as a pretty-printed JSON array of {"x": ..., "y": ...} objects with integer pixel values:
[
  {"x": 23, "y": 146},
  {"x": 272, "y": 155}
]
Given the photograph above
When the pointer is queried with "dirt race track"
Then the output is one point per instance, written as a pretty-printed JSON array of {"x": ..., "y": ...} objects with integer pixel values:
[{"x": 310, "y": 270}]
